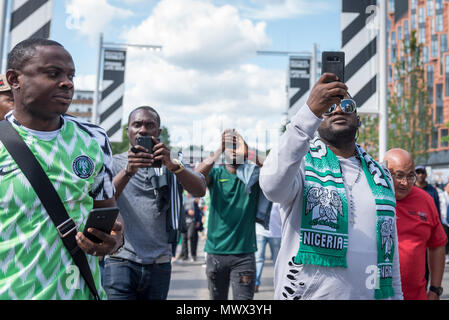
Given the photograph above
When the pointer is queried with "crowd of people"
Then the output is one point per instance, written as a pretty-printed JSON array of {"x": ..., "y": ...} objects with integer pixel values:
[{"x": 340, "y": 225}]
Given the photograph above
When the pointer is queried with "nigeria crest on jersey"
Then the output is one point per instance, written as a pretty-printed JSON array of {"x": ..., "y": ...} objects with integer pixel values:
[{"x": 83, "y": 167}]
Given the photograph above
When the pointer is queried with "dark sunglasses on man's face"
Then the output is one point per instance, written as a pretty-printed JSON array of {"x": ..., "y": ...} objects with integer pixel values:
[{"x": 346, "y": 105}]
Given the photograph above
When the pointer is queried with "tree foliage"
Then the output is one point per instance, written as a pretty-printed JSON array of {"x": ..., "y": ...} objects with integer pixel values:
[{"x": 409, "y": 113}]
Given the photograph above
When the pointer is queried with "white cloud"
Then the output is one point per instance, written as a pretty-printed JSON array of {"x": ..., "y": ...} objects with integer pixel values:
[
  {"x": 92, "y": 17},
  {"x": 245, "y": 97},
  {"x": 201, "y": 82},
  {"x": 198, "y": 35}
]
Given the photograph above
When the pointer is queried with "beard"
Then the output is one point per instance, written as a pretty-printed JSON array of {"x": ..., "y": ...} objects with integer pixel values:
[{"x": 340, "y": 138}]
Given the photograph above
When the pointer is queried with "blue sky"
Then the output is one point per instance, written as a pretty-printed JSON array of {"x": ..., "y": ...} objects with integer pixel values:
[{"x": 208, "y": 74}]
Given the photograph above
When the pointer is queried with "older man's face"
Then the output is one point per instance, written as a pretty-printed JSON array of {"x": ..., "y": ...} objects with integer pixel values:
[{"x": 404, "y": 177}]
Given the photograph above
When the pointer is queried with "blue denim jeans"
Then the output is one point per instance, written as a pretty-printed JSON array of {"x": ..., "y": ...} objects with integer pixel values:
[
  {"x": 239, "y": 270},
  {"x": 275, "y": 244},
  {"x": 127, "y": 280}
]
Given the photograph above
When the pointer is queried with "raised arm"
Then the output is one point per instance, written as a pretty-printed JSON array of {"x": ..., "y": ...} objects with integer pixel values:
[{"x": 280, "y": 177}]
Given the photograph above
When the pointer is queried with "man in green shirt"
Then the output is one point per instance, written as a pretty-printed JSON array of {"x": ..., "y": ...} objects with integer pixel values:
[
  {"x": 34, "y": 263},
  {"x": 231, "y": 235}
]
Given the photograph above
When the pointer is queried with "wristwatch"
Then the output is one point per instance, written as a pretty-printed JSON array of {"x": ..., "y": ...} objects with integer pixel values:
[
  {"x": 437, "y": 290},
  {"x": 181, "y": 166}
]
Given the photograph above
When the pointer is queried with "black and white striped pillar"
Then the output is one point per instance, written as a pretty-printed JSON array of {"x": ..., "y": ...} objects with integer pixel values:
[
  {"x": 359, "y": 42},
  {"x": 298, "y": 82},
  {"x": 30, "y": 19},
  {"x": 111, "y": 105}
]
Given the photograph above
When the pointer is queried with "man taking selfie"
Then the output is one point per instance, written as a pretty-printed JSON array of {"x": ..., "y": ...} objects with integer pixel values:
[{"x": 337, "y": 205}]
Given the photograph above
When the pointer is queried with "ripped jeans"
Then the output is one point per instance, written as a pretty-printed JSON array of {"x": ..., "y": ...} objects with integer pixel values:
[{"x": 239, "y": 270}]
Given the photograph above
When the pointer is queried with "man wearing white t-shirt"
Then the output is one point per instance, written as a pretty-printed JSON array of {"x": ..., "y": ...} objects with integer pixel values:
[{"x": 339, "y": 236}]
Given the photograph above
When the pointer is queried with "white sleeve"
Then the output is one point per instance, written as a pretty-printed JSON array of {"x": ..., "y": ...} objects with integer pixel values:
[{"x": 279, "y": 177}]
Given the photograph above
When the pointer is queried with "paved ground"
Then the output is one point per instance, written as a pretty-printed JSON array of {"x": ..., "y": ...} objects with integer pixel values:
[{"x": 189, "y": 279}]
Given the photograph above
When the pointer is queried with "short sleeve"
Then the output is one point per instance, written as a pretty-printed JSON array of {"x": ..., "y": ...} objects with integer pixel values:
[
  {"x": 103, "y": 187},
  {"x": 438, "y": 237}
]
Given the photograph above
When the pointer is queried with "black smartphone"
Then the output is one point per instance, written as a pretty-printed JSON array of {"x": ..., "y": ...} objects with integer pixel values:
[
  {"x": 333, "y": 62},
  {"x": 102, "y": 219},
  {"x": 147, "y": 142}
]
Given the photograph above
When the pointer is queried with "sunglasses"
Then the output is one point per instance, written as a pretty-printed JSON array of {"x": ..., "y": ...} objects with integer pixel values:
[{"x": 346, "y": 105}]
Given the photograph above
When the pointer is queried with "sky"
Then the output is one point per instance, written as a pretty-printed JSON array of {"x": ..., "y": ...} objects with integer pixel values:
[{"x": 208, "y": 76}]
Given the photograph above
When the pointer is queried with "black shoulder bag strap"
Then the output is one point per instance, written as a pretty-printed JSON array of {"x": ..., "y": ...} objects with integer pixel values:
[{"x": 50, "y": 199}]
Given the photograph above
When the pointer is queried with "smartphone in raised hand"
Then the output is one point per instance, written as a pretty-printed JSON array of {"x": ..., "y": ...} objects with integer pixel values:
[{"x": 333, "y": 62}]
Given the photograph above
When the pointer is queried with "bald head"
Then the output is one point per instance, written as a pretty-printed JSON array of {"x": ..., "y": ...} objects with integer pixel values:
[
  {"x": 401, "y": 165},
  {"x": 399, "y": 156}
]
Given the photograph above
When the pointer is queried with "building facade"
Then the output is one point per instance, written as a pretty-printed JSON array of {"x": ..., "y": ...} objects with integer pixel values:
[
  {"x": 430, "y": 20},
  {"x": 82, "y": 104}
]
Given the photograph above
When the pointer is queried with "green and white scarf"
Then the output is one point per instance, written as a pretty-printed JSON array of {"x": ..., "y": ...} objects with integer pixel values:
[{"x": 324, "y": 221}]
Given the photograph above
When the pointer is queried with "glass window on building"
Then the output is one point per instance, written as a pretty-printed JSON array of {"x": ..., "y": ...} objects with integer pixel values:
[
  {"x": 434, "y": 46},
  {"x": 425, "y": 54},
  {"x": 414, "y": 4},
  {"x": 444, "y": 134},
  {"x": 434, "y": 143},
  {"x": 430, "y": 84},
  {"x": 413, "y": 21},
  {"x": 439, "y": 103},
  {"x": 430, "y": 8},
  {"x": 439, "y": 4},
  {"x": 406, "y": 30},
  {"x": 399, "y": 33},
  {"x": 446, "y": 80},
  {"x": 390, "y": 6},
  {"x": 422, "y": 35},
  {"x": 439, "y": 23},
  {"x": 443, "y": 43},
  {"x": 421, "y": 16}
]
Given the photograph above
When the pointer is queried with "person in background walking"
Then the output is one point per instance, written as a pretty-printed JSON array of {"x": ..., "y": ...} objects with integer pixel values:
[{"x": 272, "y": 236}]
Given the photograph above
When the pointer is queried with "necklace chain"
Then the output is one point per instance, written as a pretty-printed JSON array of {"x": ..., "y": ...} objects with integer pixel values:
[{"x": 351, "y": 208}]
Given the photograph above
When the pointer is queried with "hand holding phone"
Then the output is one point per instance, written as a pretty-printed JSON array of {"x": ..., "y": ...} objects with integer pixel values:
[
  {"x": 148, "y": 143},
  {"x": 102, "y": 219}
]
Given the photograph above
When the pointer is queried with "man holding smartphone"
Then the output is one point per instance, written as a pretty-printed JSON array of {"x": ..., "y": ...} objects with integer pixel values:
[
  {"x": 77, "y": 159},
  {"x": 149, "y": 196},
  {"x": 338, "y": 208}
]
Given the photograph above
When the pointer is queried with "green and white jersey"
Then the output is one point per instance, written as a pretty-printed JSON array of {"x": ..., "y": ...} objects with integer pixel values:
[{"x": 34, "y": 263}]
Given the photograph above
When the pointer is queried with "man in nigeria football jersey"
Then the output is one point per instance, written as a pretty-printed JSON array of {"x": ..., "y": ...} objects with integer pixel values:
[{"x": 34, "y": 263}]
